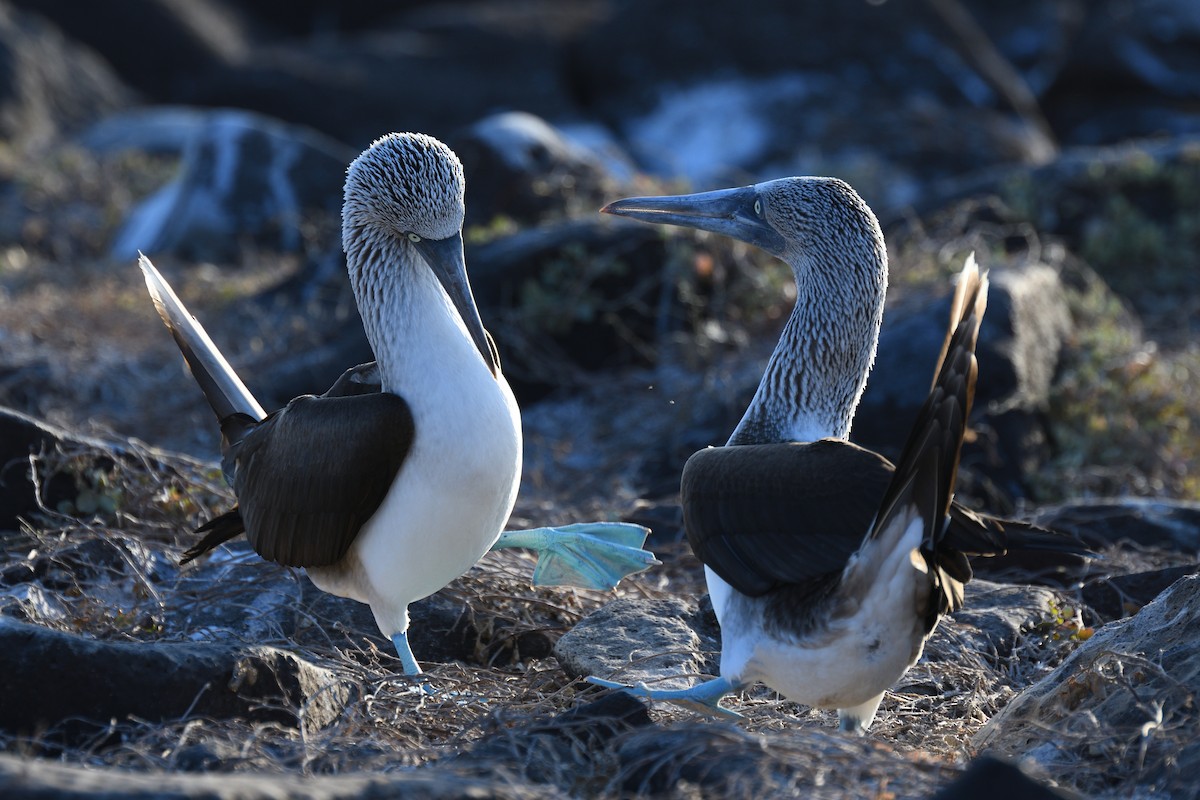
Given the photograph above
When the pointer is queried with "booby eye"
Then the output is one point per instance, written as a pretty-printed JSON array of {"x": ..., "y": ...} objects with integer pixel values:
[
  {"x": 757, "y": 207},
  {"x": 412, "y": 237}
]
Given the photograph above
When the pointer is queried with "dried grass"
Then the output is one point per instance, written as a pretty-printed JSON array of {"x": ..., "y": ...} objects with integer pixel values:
[{"x": 110, "y": 573}]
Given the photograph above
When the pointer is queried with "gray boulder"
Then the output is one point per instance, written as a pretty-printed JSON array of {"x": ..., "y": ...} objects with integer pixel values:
[{"x": 634, "y": 640}]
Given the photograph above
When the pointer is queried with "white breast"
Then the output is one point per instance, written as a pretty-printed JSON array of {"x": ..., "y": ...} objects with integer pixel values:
[{"x": 457, "y": 486}]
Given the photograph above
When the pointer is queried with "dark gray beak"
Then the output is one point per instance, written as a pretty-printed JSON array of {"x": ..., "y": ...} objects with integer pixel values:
[
  {"x": 729, "y": 212},
  {"x": 445, "y": 257}
]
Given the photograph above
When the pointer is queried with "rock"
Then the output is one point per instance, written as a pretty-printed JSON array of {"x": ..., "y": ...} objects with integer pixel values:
[
  {"x": 243, "y": 178},
  {"x": 347, "y": 87},
  {"x": 990, "y": 778},
  {"x": 1140, "y": 521},
  {"x": 49, "y": 86},
  {"x": 70, "y": 687},
  {"x": 717, "y": 133},
  {"x": 1128, "y": 71},
  {"x": 520, "y": 168},
  {"x": 549, "y": 749},
  {"x": 720, "y": 759},
  {"x": 21, "y": 436},
  {"x": 571, "y": 297},
  {"x": 996, "y": 619},
  {"x": 633, "y": 640},
  {"x": 1125, "y": 210},
  {"x": 174, "y": 41},
  {"x": 35, "y": 779},
  {"x": 1120, "y": 709},
  {"x": 1019, "y": 345},
  {"x": 440, "y": 629},
  {"x": 1118, "y": 596}
]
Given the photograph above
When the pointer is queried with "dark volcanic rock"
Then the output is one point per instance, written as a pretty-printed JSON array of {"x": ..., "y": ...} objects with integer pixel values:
[
  {"x": 31, "y": 779},
  {"x": 1019, "y": 344},
  {"x": 1119, "y": 596},
  {"x": 993, "y": 621},
  {"x": 70, "y": 686},
  {"x": 157, "y": 46},
  {"x": 550, "y": 749},
  {"x": 1121, "y": 709},
  {"x": 520, "y": 168},
  {"x": 570, "y": 297},
  {"x": 352, "y": 87},
  {"x": 1146, "y": 522},
  {"x": 991, "y": 778},
  {"x": 49, "y": 86},
  {"x": 21, "y": 436},
  {"x": 244, "y": 178}
]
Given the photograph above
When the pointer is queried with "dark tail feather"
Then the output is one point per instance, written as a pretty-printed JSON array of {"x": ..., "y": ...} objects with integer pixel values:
[
  {"x": 222, "y": 387},
  {"x": 928, "y": 466},
  {"x": 978, "y": 534},
  {"x": 217, "y": 531}
]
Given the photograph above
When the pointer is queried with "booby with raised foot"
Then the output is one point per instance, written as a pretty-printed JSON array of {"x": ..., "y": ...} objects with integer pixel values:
[
  {"x": 401, "y": 476},
  {"x": 829, "y": 567}
]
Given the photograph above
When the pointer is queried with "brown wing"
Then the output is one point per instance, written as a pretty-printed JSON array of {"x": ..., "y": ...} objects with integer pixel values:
[
  {"x": 766, "y": 516},
  {"x": 309, "y": 476}
]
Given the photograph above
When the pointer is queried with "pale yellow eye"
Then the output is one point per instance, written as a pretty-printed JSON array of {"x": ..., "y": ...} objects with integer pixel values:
[
  {"x": 758, "y": 207},
  {"x": 412, "y": 237}
]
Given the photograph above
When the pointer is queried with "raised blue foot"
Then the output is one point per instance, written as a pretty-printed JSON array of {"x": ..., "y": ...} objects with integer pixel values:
[
  {"x": 703, "y": 698},
  {"x": 590, "y": 555}
]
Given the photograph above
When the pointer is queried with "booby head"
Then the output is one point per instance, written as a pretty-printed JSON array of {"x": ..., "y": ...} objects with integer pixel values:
[
  {"x": 407, "y": 191},
  {"x": 834, "y": 245},
  {"x": 799, "y": 220}
]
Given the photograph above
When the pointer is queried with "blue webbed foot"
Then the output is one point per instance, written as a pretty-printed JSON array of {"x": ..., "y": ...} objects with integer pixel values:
[
  {"x": 589, "y": 555},
  {"x": 703, "y": 698}
]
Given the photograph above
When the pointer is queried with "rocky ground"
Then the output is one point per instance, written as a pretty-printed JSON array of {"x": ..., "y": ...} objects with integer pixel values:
[{"x": 1057, "y": 140}]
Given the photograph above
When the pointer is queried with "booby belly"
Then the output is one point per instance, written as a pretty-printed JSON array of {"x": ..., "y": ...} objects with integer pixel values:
[
  {"x": 401, "y": 476},
  {"x": 828, "y": 567}
]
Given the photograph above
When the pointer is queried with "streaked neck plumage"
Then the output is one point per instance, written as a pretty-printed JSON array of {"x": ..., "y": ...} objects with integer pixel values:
[
  {"x": 819, "y": 369},
  {"x": 403, "y": 307}
]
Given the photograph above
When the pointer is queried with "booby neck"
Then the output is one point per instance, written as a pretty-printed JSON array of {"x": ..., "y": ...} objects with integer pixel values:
[
  {"x": 817, "y": 373},
  {"x": 832, "y": 241},
  {"x": 409, "y": 319}
]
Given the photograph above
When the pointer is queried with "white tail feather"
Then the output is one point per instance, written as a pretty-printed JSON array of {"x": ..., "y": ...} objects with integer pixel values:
[{"x": 222, "y": 387}]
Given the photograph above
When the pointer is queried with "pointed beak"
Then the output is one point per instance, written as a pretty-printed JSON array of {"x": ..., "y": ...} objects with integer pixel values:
[
  {"x": 729, "y": 212},
  {"x": 445, "y": 257}
]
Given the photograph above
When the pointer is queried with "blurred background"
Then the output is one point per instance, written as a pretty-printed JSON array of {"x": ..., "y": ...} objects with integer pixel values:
[{"x": 1057, "y": 138}]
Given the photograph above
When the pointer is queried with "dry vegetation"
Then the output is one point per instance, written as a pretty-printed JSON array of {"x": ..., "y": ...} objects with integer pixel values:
[{"x": 86, "y": 321}]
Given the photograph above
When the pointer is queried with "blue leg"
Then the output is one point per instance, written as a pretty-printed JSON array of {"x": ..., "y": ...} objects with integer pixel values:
[
  {"x": 591, "y": 555},
  {"x": 411, "y": 667},
  {"x": 703, "y": 698}
]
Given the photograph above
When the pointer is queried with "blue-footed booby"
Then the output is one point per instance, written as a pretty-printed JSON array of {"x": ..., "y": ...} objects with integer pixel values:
[
  {"x": 386, "y": 493},
  {"x": 828, "y": 567}
]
